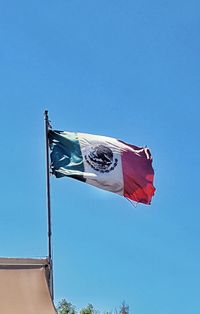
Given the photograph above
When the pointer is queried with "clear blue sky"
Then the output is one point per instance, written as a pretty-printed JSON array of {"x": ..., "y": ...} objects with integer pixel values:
[{"x": 127, "y": 69}]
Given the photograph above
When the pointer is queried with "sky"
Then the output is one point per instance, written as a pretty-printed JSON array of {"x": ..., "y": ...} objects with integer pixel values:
[{"x": 126, "y": 69}]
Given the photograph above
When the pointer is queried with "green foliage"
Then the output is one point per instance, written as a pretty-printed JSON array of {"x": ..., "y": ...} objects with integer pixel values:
[
  {"x": 88, "y": 310},
  {"x": 124, "y": 309},
  {"x": 65, "y": 307}
]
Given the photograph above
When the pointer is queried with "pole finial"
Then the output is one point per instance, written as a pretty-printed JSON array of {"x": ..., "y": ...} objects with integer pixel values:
[
  {"x": 46, "y": 114},
  {"x": 48, "y": 122}
]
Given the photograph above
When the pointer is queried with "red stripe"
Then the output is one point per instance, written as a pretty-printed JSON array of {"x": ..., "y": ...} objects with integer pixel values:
[{"x": 138, "y": 175}]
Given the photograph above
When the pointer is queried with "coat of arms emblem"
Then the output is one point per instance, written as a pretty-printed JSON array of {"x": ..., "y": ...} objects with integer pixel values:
[{"x": 101, "y": 159}]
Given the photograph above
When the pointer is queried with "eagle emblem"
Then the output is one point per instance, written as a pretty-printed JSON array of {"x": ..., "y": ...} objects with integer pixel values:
[{"x": 101, "y": 159}]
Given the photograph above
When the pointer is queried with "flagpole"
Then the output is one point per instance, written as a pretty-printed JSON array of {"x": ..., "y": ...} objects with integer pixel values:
[{"x": 48, "y": 195}]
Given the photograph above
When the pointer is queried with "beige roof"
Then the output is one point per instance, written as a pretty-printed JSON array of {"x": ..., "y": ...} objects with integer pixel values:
[{"x": 24, "y": 286}]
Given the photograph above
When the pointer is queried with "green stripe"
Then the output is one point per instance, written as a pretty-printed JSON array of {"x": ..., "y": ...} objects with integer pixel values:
[{"x": 66, "y": 154}]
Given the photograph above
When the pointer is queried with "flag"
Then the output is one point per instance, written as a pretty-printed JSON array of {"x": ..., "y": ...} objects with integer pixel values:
[{"x": 104, "y": 162}]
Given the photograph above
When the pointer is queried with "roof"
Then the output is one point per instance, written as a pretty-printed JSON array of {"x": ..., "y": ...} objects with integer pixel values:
[{"x": 24, "y": 286}]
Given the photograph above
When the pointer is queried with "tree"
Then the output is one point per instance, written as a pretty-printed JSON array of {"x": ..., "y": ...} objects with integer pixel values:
[
  {"x": 88, "y": 310},
  {"x": 65, "y": 307},
  {"x": 124, "y": 309}
]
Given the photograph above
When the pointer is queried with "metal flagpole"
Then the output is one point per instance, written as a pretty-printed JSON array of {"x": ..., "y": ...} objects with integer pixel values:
[{"x": 47, "y": 126}]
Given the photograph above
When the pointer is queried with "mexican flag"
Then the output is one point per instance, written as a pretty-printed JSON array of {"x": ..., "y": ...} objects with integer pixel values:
[{"x": 104, "y": 162}]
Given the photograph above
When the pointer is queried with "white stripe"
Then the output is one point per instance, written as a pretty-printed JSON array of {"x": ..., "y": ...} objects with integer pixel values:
[{"x": 112, "y": 180}]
